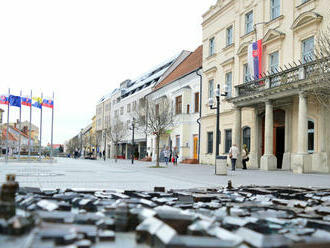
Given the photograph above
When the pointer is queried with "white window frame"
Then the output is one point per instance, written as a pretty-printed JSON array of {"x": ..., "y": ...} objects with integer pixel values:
[
  {"x": 275, "y": 9},
  {"x": 248, "y": 22},
  {"x": 272, "y": 65},
  {"x": 229, "y": 35},
  {"x": 229, "y": 83},
  {"x": 211, "y": 46}
]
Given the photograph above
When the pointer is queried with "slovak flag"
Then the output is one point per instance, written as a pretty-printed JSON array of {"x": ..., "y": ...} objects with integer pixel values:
[
  {"x": 48, "y": 103},
  {"x": 26, "y": 101},
  {"x": 4, "y": 99},
  {"x": 255, "y": 59}
]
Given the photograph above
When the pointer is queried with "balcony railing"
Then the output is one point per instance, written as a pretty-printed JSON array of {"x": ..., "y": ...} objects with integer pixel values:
[{"x": 283, "y": 77}]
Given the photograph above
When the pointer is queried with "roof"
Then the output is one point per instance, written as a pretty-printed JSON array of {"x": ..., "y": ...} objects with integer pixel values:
[
  {"x": 11, "y": 137},
  {"x": 17, "y": 130},
  {"x": 190, "y": 64}
]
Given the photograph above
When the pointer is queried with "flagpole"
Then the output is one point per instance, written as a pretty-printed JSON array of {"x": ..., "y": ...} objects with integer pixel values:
[
  {"x": 7, "y": 148},
  {"x": 52, "y": 130},
  {"x": 30, "y": 127},
  {"x": 19, "y": 126},
  {"x": 40, "y": 127}
]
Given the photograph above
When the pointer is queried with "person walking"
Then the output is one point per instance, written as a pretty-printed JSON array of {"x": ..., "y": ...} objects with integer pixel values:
[
  {"x": 245, "y": 156},
  {"x": 166, "y": 155},
  {"x": 104, "y": 155},
  {"x": 175, "y": 156},
  {"x": 233, "y": 155}
]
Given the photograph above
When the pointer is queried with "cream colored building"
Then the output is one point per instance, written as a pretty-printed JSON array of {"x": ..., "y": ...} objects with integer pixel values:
[{"x": 276, "y": 116}]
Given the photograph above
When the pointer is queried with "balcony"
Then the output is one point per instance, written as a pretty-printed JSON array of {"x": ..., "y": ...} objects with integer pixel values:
[{"x": 296, "y": 76}]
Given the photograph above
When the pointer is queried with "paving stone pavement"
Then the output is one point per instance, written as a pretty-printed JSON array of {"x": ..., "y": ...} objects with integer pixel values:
[{"x": 71, "y": 173}]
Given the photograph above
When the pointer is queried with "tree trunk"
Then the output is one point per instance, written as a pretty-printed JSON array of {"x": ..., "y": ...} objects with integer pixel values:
[
  {"x": 157, "y": 151},
  {"x": 116, "y": 152}
]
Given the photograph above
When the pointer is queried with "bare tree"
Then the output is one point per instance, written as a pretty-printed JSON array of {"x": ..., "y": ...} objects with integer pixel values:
[
  {"x": 321, "y": 73},
  {"x": 116, "y": 132},
  {"x": 155, "y": 118}
]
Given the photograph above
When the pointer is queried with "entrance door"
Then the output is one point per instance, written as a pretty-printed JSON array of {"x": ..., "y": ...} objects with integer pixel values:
[
  {"x": 278, "y": 136},
  {"x": 195, "y": 147}
]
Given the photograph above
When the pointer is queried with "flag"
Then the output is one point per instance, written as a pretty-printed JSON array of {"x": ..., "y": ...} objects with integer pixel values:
[
  {"x": 15, "y": 101},
  {"x": 26, "y": 101},
  {"x": 37, "y": 102},
  {"x": 4, "y": 99},
  {"x": 48, "y": 103},
  {"x": 255, "y": 59}
]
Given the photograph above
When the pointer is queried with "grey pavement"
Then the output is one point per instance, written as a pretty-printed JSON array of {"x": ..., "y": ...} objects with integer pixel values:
[{"x": 71, "y": 173}]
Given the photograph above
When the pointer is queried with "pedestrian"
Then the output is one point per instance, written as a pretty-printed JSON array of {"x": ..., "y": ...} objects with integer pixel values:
[
  {"x": 166, "y": 155},
  {"x": 104, "y": 155},
  {"x": 233, "y": 155},
  {"x": 175, "y": 156},
  {"x": 245, "y": 156}
]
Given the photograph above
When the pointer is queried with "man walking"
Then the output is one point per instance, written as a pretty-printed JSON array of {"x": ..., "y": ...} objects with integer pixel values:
[
  {"x": 233, "y": 155},
  {"x": 166, "y": 155},
  {"x": 104, "y": 155}
]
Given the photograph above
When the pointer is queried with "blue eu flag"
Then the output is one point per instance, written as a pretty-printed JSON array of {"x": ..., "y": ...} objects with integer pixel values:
[{"x": 15, "y": 101}]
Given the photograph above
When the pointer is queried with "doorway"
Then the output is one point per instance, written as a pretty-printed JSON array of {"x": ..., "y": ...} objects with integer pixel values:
[
  {"x": 278, "y": 136},
  {"x": 195, "y": 154}
]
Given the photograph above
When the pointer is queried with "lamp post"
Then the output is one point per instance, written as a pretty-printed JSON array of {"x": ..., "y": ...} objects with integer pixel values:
[
  {"x": 133, "y": 127},
  {"x": 218, "y": 94},
  {"x": 81, "y": 141}
]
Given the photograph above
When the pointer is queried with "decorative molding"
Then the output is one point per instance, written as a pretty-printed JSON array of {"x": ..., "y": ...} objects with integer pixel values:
[
  {"x": 272, "y": 35},
  {"x": 227, "y": 62},
  {"x": 306, "y": 18},
  {"x": 211, "y": 70},
  {"x": 242, "y": 50}
]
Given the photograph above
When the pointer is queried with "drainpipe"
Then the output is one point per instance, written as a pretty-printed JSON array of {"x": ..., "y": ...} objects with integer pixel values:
[{"x": 200, "y": 114}]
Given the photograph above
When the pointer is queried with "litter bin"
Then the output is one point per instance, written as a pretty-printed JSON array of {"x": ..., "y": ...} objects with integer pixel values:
[{"x": 221, "y": 165}]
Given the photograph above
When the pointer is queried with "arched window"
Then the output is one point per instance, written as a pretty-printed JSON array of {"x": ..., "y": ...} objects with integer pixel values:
[
  {"x": 311, "y": 136},
  {"x": 247, "y": 137}
]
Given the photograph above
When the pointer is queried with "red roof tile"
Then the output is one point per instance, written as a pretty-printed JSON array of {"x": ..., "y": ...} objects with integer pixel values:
[{"x": 190, "y": 64}]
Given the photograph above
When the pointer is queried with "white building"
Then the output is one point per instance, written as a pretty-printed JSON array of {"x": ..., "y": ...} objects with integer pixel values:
[
  {"x": 123, "y": 101},
  {"x": 182, "y": 89}
]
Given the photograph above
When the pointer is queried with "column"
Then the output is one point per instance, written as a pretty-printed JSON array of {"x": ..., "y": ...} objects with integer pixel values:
[
  {"x": 286, "y": 165},
  {"x": 237, "y": 134},
  {"x": 320, "y": 157},
  {"x": 268, "y": 160},
  {"x": 254, "y": 153},
  {"x": 302, "y": 125},
  {"x": 302, "y": 161}
]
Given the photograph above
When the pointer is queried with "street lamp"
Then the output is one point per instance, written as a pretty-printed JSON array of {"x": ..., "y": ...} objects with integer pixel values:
[
  {"x": 218, "y": 94},
  {"x": 81, "y": 141},
  {"x": 132, "y": 152}
]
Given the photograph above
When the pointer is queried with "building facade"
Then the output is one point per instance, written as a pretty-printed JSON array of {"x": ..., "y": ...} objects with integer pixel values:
[
  {"x": 276, "y": 114},
  {"x": 182, "y": 89}
]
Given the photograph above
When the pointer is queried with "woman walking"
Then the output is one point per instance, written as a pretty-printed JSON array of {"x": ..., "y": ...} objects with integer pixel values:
[
  {"x": 175, "y": 156},
  {"x": 245, "y": 156},
  {"x": 233, "y": 155}
]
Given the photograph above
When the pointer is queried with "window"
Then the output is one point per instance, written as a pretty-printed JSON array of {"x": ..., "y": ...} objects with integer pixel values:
[
  {"x": 210, "y": 142},
  {"x": 188, "y": 108},
  {"x": 310, "y": 136},
  {"x": 196, "y": 102},
  {"x": 128, "y": 124},
  {"x": 274, "y": 9},
  {"x": 273, "y": 62},
  {"x": 211, "y": 46},
  {"x": 178, "y": 105},
  {"x": 128, "y": 108},
  {"x": 308, "y": 49},
  {"x": 113, "y": 102},
  {"x": 229, "y": 79},
  {"x": 211, "y": 88},
  {"x": 177, "y": 142},
  {"x": 134, "y": 105},
  {"x": 121, "y": 110},
  {"x": 247, "y": 137},
  {"x": 116, "y": 112},
  {"x": 229, "y": 39},
  {"x": 249, "y": 22},
  {"x": 246, "y": 73},
  {"x": 227, "y": 140}
]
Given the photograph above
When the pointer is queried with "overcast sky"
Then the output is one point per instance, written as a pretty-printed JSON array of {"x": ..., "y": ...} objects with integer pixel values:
[{"x": 83, "y": 49}]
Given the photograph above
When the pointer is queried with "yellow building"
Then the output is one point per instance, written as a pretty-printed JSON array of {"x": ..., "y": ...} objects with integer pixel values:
[{"x": 276, "y": 115}]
